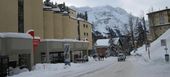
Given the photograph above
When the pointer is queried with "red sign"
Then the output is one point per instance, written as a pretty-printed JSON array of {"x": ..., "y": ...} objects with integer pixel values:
[{"x": 36, "y": 42}]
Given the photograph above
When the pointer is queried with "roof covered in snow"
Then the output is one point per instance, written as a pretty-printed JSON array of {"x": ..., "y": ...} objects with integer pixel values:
[
  {"x": 80, "y": 19},
  {"x": 62, "y": 40},
  {"x": 47, "y": 7},
  {"x": 102, "y": 42},
  {"x": 55, "y": 9},
  {"x": 115, "y": 40},
  {"x": 15, "y": 35}
]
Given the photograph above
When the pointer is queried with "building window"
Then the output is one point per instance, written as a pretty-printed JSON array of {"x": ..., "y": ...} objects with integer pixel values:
[
  {"x": 87, "y": 34},
  {"x": 86, "y": 39},
  {"x": 84, "y": 34},
  {"x": 161, "y": 18},
  {"x": 169, "y": 16},
  {"x": 21, "y": 16},
  {"x": 84, "y": 25}
]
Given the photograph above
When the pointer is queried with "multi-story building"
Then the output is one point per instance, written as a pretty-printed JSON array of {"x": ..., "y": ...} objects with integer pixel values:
[
  {"x": 19, "y": 16},
  {"x": 22, "y": 15},
  {"x": 61, "y": 26},
  {"x": 55, "y": 26},
  {"x": 159, "y": 22},
  {"x": 85, "y": 31}
]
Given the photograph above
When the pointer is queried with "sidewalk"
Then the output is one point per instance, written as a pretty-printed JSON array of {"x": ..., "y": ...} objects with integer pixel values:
[{"x": 76, "y": 69}]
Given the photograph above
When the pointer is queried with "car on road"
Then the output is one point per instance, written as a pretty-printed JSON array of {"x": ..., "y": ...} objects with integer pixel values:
[{"x": 121, "y": 57}]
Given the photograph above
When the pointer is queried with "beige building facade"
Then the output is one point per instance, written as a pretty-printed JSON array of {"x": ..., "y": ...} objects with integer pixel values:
[
  {"x": 51, "y": 25},
  {"x": 48, "y": 24},
  {"x": 9, "y": 16},
  {"x": 32, "y": 16},
  {"x": 67, "y": 29},
  {"x": 85, "y": 32},
  {"x": 20, "y": 16},
  {"x": 159, "y": 22}
]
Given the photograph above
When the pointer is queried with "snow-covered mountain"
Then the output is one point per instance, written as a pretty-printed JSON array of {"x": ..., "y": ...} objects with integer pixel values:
[{"x": 107, "y": 16}]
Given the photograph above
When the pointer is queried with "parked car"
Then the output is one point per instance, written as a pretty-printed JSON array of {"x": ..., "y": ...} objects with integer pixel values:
[{"x": 121, "y": 57}]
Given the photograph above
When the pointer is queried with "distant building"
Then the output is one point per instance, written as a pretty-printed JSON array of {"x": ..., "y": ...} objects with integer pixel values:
[
  {"x": 159, "y": 22},
  {"x": 102, "y": 45}
]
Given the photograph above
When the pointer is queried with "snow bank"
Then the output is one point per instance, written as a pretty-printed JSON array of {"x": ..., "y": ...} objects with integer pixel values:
[
  {"x": 59, "y": 70},
  {"x": 156, "y": 50},
  {"x": 14, "y": 71}
]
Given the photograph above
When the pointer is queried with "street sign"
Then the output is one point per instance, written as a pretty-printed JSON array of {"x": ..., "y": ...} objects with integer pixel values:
[
  {"x": 163, "y": 42},
  {"x": 67, "y": 52},
  {"x": 36, "y": 42}
]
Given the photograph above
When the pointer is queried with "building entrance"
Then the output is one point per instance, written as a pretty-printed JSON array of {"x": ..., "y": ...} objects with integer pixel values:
[{"x": 4, "y": 60}]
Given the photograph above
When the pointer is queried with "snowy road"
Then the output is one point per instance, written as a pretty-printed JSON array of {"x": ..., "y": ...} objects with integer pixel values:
[
  {"x": 117, "y": 69},
  {"x": 133, "y": 68}
]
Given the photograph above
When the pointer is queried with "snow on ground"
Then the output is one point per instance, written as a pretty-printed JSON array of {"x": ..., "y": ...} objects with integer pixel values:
[
  {"x": 133, "y": 67},
  {"x": 156, "y": 66},
  {"x": 76, "y": 69},
  {"x": 156, "y": 50}
]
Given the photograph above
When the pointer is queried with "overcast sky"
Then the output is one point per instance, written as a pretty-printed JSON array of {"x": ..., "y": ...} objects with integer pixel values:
[{"x": 136, "y": 7}]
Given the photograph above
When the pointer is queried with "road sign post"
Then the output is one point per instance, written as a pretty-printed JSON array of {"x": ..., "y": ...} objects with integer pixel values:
[
  {"x": 163, "y": 43},
  {"x": 147, "y": 49}
]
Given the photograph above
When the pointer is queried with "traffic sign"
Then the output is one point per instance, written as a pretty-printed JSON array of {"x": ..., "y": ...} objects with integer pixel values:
[{"x": 163, "y": 42}]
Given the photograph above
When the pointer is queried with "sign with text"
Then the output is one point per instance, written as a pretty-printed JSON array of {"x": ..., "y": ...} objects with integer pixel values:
[
  {"x": 163, "y": 42},
  {"x": 67, "y": 52}
]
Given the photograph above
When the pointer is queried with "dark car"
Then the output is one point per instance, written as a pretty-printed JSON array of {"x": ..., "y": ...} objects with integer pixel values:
[{"x": 121, "y": 57}]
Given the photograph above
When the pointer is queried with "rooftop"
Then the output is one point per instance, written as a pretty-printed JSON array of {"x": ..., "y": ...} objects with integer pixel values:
[
  {"x": 102, "y": 42},
  {"x": 167, "y": 9}
]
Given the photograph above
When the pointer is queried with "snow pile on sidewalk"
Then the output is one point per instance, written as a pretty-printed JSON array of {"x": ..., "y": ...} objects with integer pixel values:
[
  {"x": 75, "y": 70},
  {"x": 156, "y": 50}
]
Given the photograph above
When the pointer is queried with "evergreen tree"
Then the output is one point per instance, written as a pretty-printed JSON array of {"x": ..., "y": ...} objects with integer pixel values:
[
  {"x": 86, "y": 16},
  {"x": 141, "y": 34},
  {"x": 48, "y": 3}
]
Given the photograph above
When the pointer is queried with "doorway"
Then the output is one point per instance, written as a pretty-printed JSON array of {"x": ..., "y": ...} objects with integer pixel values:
[{"x": 4, "y": 60}]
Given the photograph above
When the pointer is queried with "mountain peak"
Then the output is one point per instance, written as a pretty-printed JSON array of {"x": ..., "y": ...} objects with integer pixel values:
[{"x": 103, "y": 17}]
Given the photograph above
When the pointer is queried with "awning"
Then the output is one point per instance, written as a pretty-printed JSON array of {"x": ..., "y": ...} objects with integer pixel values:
[{"x": 58, "y": 44}]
